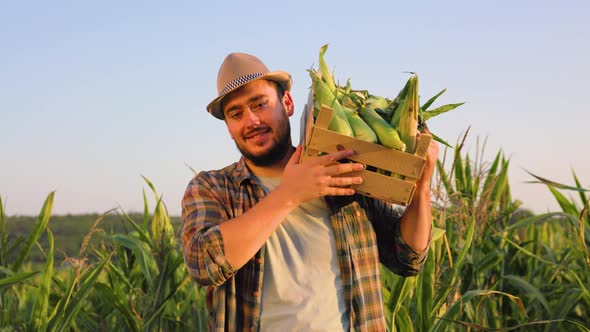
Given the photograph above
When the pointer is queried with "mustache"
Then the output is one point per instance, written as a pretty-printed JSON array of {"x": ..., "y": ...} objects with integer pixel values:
[{"x": 256, "y": 130}]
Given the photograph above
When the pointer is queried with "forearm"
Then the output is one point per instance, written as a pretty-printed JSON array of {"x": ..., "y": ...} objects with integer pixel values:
[
  {"x": 416, "y": 222},
  {"x": 244, "y": 236}
]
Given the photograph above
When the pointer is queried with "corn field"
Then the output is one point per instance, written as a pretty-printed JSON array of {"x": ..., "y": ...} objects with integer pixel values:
[{"x": 492, "y": 266}]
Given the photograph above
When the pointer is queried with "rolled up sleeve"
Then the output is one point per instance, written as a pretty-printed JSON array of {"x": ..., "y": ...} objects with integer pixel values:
[
  {"x": 394, "y": 252},
  {"x": 203, "y": 247}
]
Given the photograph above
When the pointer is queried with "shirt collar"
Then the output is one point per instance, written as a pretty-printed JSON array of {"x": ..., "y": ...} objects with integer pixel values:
[{"x": 241, "y": 172}]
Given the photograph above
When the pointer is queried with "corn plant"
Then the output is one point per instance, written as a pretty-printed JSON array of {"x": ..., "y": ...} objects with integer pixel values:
[
  {"x": 13, "y": 255},
  {"x": 492, "y": 265},
  {"x": 146, "y": 287}
]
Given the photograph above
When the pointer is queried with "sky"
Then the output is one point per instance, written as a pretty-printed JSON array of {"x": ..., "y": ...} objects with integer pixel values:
[{"x": 95, "y": 95}]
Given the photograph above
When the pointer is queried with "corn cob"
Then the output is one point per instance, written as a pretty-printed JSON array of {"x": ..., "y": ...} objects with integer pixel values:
[
  {"x": 361, "y": 129},
  {"x": 324, "y": 71},
  {"x": 323, "y": 96},
  {"x": 405, "y": 118},
  {"x": 387, "y": 135}
]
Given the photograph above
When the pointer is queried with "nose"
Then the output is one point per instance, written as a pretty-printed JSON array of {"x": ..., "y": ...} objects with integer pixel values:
[{"x": 252, "y": 117}]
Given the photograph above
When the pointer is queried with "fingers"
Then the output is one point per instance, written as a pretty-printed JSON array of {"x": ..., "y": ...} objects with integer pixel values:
[
  {"x": 331, "y": 158},
  {"x": 338, "y": 168},
  {"x": 345, "y": 181},
  {"x": 295, "y": 156}
]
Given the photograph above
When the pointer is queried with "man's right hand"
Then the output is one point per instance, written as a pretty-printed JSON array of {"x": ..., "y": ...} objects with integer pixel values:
[{"x": 320, "y": 176}]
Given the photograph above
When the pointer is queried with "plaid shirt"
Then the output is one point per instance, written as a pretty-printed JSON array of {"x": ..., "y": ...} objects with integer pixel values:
[{"x": 366, "y": 233}]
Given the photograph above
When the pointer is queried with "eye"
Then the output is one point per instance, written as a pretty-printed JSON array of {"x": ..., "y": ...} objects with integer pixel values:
[
  {"x": 260, "y": 105},
  {"x": 234, "y": 115}
]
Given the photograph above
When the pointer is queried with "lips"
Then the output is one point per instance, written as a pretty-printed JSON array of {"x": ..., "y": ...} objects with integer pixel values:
[{"x": 257, "y": 133}]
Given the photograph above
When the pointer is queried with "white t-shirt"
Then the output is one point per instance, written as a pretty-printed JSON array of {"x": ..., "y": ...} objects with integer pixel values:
[{"x": 302, "y": 287}]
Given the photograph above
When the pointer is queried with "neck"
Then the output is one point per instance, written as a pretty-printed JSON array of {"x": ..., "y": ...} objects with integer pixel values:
[{"x": 271, "y": 171}]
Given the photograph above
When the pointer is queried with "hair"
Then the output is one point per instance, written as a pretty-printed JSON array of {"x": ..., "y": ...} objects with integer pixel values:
[{"x": 279, "y": 88}]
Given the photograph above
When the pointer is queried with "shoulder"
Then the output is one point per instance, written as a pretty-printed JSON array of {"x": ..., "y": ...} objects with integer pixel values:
[{"x": 213, "y": 180}]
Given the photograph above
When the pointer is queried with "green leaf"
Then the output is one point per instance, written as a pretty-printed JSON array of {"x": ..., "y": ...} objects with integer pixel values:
[
  {"x": 468, "y": 296},
  {"x": 439, "y": 110},
  {"x": 141, "y": 251},
  {"x": 555, "y": 184},
  {"x": 566, "y": 205},
  {"x": 566, "y": 303},
  {"x": 437, "y": 233},
  {"x": 431, "y": 100},
  {"x": 39, "y": 317},
  {"x": 3, "y": 237},
  {"x": 40, "y": 226},
  {"x": 583, "y": 197},
  {"x": 440, "y": 140},
  {"x": 444, "y": 177},
  {"x": 16, "y": 278},
  {"x": 529, "y": 289},
  {"x": 120, "y": 302},
  {"x": 88, "y": 279},
  {"x": 443, "y": 294},
  {"x": 403, "y": 321},
  {"x": 491, "y": 175},
  {"x": 143, "y": 233},
  {"x": 459, "y": 172}
]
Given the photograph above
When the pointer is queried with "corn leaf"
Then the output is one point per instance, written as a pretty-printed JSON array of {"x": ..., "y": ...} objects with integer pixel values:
[
  {"x": 528, "y": 289},
  {"x": 146, "y": 212},
  {"x": 489, "y": 261},
  {"x": 440, "y": 140},
  {"x": 444, "y": 178},
  {"x": 583, "y": 197},
  {"x": 564, "y": 203},
  {"x": 426, "y": 115},
  {"x": 118, "y": 301},
  {"x": 6, "y": 282},
  {"x": 427, "y": 104},
  {"x": 567, "y": 303},
  {"x": 3, "y": 237},
  {"x": 443, "y": 294},
  {"x": 554, "y": 184},
  {"x": 403, "y": 321},
  {"x": 40, "y": 226},
  {"x": 459, "y": 172},
  {"x": 491, "y": 177},
  {"x": 469, "y": 191},
  {"x": 468, "y": 296},
  {"x": 65, "y": 320},
  {"x": 141, "y": 251},
  {"x": 39, "y": 317},
  {"x": 143, "y": 233}
]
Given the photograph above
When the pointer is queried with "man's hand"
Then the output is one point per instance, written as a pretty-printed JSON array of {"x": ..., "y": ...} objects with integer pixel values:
[
  {"x": 416, "y": 222},
  {"x": 423, "y": 182},
  {"x": 321, "y": 176}
]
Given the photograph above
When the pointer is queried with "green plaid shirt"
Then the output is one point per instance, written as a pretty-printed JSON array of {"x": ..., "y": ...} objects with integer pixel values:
[{"x": 366, "y": 232}]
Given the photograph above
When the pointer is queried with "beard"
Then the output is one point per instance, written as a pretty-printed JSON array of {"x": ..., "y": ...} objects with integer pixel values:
[{"x": 282, "y": 145}]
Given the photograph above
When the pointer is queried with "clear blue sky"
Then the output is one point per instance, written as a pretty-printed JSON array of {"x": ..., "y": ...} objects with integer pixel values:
[{"x": 95, "y": 94}]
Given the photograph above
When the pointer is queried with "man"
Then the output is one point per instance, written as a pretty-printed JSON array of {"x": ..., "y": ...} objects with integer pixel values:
[{"x": 284, "y": 245}]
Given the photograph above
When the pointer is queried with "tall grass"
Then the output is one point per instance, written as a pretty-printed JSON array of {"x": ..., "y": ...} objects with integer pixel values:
[{"x": 491, "y": 266}]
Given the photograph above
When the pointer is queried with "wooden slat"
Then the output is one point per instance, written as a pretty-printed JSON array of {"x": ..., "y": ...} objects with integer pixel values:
[
  {"x": 367, "y": 153},
  {"x": 384, "y": 187}
]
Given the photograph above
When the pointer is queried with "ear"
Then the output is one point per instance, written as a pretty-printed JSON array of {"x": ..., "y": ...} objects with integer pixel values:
[{"x": 288, "y": 103}]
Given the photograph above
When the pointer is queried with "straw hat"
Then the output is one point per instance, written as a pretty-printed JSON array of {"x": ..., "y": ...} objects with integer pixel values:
[{"x": 239, "y": 69}]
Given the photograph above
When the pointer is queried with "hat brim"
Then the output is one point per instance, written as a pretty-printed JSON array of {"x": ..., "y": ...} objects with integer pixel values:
[{"x": 281, "y": 77}]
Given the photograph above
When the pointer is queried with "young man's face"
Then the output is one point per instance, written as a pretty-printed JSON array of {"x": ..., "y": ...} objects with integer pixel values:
[{"x": 258, "y": 121}]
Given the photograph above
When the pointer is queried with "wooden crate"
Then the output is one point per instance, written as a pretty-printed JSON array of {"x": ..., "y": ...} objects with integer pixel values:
[{"x": 317, "y": 139}]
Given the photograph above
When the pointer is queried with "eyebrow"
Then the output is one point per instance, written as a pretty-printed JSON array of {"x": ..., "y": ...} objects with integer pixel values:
[{"x": 250, "y": 100}]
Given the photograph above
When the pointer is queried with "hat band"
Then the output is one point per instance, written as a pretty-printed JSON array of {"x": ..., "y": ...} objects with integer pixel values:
[{"x": 236, "y": 83}]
